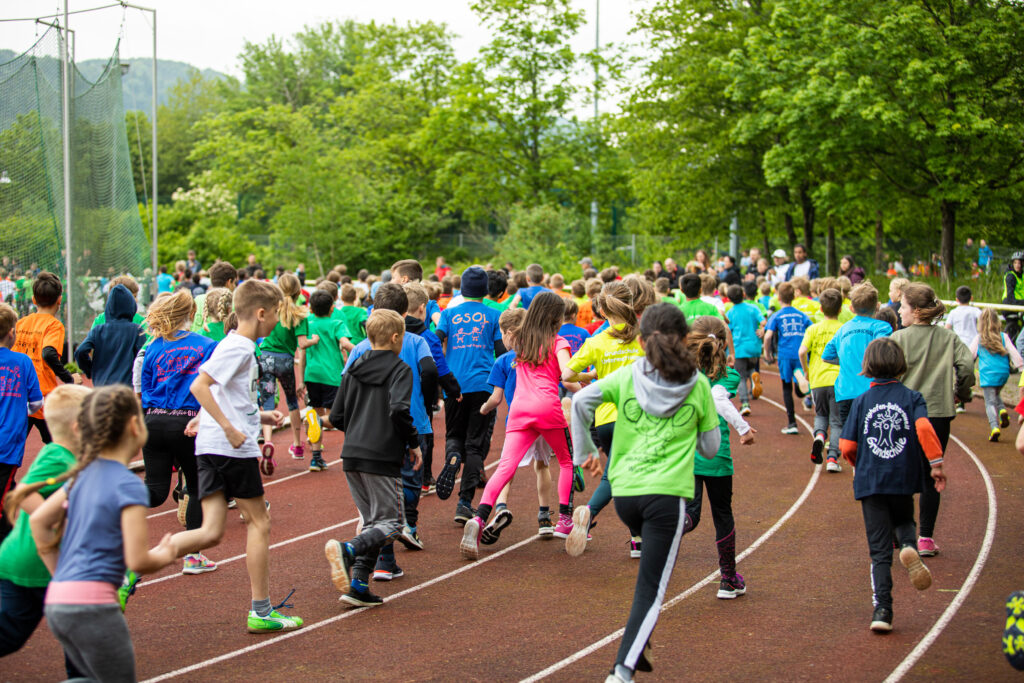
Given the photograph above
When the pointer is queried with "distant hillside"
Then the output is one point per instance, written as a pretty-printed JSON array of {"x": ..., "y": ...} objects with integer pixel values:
[{"x": 137, "y": 84}]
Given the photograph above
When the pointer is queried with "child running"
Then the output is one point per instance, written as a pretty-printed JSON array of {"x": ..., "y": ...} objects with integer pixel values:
[
  {"x": 822, "y": 378},
  {"x": 996, "y": 354},
  {"x": 706, "y": 341},
  {"x": 667, "y": 414},
  {"x": 324, "y": 362},
  {"x": 746, "y": 324},
  {"x": 542, "y": 358},
  {"x": 99, "y": 522},
  {"x": 889, "y": 439},
  {"x": 790, "y": 325},
  {"x": 108, "y": 352}
]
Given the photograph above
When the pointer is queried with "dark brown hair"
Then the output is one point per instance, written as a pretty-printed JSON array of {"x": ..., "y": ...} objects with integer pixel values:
[
  {"x": 884, "y": 359},
  {"x": 735, "y": 294},
  {"x": 922, "y": 299},
  {"x": 392, "y": 297},
  {"x": 221, "y": 273},
  {"x": 888, "y": 315},
  {"x": 536, "y": 337},
  {"x": 831, "y": 301},
  {"x": 572, "y": 309},
  {"x": 663, "y": 330},
  {"x": 46, "y": 289}
]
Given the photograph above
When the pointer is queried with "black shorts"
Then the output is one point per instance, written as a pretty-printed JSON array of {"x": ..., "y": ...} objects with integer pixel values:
[
  {"x": 236, "y": 477},
  {"x": 321, "y": 395}
]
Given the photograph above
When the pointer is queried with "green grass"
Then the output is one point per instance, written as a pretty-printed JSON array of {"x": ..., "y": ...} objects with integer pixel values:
[{"x": 987, "y": 288}]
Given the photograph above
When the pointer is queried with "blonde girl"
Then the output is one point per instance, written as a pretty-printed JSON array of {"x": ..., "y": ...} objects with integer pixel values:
[
  {"x": 216, "y": 308},
  {"x": 941, "y": 368},
  {"x": 995, "y": 353}
]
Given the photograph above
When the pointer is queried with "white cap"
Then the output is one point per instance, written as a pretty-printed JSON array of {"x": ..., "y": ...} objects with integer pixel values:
[{"x": 779, "y": 253}]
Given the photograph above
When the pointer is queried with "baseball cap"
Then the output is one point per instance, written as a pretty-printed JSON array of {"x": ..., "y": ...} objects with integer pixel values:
[{"x": 779, "y": 253}]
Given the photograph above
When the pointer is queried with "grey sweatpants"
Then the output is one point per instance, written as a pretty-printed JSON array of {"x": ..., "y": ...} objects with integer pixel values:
[
  {"x": 95, "y": 639},
  {"x": 379, "y": 501},
  {"x": 993, "y": 404}
]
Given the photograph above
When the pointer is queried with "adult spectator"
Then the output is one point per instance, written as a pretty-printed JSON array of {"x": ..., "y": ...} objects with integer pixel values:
[
  {"x": 192, "y": 263},
  {"x": 658, "y": 269},
  {"x": 850, "y": 269},
  {"x": 730, "y": 273},
  {"x": 777, "y": 274},
  {"x": 672, "y": 273},
  {"x": 252, "y": 265},
  {"x": 801, "y": 266},
  {"x": 703, "y": 262},
  {"x": 441, "y": 268},
  {"x": 984, "y": 255},
  {"x": 755, "y": 256},
  {"x": 300, "y": 273},
  {"x": 586, "y": 263}
]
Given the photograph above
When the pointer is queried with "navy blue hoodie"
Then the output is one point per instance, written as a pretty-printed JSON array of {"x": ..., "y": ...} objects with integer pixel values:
[{"x": 107, "y": 354}]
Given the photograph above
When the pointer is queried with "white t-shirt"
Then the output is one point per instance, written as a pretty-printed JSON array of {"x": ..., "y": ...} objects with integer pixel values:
[
  {"x": 780, "y": 274},
  {"x": 235, "y": 372},
  {"x": 964, "y": 321},
  {"x": 803, "y": 269},
  {"x": 714, "y": 301},
  {"x": 7, "y": 289}
]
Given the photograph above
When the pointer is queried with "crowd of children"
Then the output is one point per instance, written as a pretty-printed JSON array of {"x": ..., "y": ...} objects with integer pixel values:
[{"x": 641, "y": 368}]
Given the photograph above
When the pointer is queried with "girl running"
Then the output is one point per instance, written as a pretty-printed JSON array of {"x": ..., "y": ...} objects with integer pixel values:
[
  {"x": 936, "y": 361},
  {"x": 536, "y": 412},
  {"x": 622, "y": 303},
  {"x": 667, "y": 414},
  {"x": 216, "y": 308},
  {"x": 706, "y": 341},
  {"x": 278, "y": 361},
  {"x": 99, "y": 521},
  {"x": 170, "y": 365},
  {"x": 995, "y": 353}
]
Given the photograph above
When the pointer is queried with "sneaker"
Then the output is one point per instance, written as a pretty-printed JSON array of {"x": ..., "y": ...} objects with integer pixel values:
[
  {"x": 298, "y": 452},
  {"x": 316, "y": 463},
  {"x": 994, "y": 435},
  {"x": 732, "y": 587},
  {"x": 232, "y": 504},
  {"x": 564, "y": 526},
  {"x": 881, "y": 620},
  {"x": 197, "y": 563},
  {"x": 745, "y": 409},
  {"x": 387, "y": 572},
  {"x": 960, "y": 408},
  {"x": 267, "y": 462},
  {"x": 576, "y": 542},
  {"x": 470, "y": 545},
  {"x": 800, "y": 383},
  {"x": 579, "y": 484},
  {"x": 926, "y": 547},
  {"x": 808, "y": 403},
  {"x": 464, "y": 512},
  {"x": 314, "y": 427},
  {"x": 183, "y": 508},
  {"x": 341, "y": 558},
  {"x": 1013, "y": 634},
  {"x": 635, "y": 547},
  {"x": 545, "y": 527},
  {"x": 756, "y": 389},
  {"x": 432, "y": 483},
  {"x": 275, "y": 621},
  {"x": 919, "y": 574},
  {"x": 491, "y": 532},
  {"x": 410, "y": 538},
  {"x": 127, "y": 589},
  {"x": 1004, "y": 419},
  {"x": 791, "y": 429},
  {"x": 833, "y": 465},
  {"x": 362, "y": 598},
  {"x": 817, "y": 448},
  {"x": 446, "y": 479}
]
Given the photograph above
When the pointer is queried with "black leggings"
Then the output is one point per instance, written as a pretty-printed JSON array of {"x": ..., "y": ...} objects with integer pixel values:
[
  {"x": 787, "y": 400},
  {"x": 720, "y": 499},
  {"x": 930, "y": 498},
  {"x": 466, "y": 432},
  {"x": 167, "y": 445},
  {"x": 660, "y": 521},
  {"x": 40, "y": 424}
]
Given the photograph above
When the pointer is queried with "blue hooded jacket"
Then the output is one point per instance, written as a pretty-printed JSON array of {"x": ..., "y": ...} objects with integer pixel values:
[{"x": 107, "y": 354}]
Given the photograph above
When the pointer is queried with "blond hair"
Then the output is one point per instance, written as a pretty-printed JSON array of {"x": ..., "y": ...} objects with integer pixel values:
[
  {"x": 217, "y": 304},
  {"x": 417, "y": 295},
  {"x": 382, "y": 325},
  {"x": 626, "y": 299},
  {"x": 990, "y": 332},
  {"x": 166, "y": 315},
  {"x": 289, "y": 313},
  {"x": 61, "y": 407}
]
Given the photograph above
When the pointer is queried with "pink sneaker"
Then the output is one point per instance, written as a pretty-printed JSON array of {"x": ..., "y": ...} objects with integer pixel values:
[
  {"x": 470, "y": 545},
  {"x": 926, "y": 547},
  {"x": 298, "y": 452},
  {"x": 564, "y": 526}
]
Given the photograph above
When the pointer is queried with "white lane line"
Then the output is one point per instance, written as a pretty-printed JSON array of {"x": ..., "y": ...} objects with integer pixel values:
[
  {"x": 972, "y": 577},
  {"x": 713, "y": 576},
  {"x": 330, "y": 620}
]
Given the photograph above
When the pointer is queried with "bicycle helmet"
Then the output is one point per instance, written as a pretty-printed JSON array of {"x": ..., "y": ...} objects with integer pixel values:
[{"x": 1017, "y": 256}]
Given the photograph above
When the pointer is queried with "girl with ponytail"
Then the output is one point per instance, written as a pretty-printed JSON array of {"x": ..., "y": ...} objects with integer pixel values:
[
  {"x": 666, "y": 416},
  {"x": 996, "y": 356}
]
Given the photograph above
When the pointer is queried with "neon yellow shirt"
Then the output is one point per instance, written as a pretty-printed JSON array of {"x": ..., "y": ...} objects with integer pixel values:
[
  {"x": 607, "y": 354},
  {"x": 817, "y": 336},
  {"x": 807, "y": 305}
]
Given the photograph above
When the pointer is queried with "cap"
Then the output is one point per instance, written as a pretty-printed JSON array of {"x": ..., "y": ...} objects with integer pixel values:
[
  {"x": 586, "y": 261},
  {"x": 779, "y": 253}
]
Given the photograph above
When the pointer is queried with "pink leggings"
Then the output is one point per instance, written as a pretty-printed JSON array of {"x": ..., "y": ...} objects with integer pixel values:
[{"x": 517, "y": 443}]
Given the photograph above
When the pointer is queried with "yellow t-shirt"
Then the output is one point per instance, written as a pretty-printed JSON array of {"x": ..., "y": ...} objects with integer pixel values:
[
  {"x": 607, "y": 354},
  {"x": 817, "y": 336},
  {"x": 807, "y": 306}
]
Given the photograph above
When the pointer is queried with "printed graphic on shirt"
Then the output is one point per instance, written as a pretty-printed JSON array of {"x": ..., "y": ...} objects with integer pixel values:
[
  {"x": 886, "y": 426},
  {"x": 653, "y": 433}
]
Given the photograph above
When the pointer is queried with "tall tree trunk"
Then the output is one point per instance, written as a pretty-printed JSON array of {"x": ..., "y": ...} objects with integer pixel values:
[
  {"x": 764, "y": 235},
  {"x": 787, "y": 219},
  {"x": 948, "y": 210},
  {"x": 831, "y": 262},
  {"x": 807, "y": 204},
  {"x": 880, "y": 266}
]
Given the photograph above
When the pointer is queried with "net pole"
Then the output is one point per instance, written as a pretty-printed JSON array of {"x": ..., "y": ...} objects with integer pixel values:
[{"x": 66, "y": 116}]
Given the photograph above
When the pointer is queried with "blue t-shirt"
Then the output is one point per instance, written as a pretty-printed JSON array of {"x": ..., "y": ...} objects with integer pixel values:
[
  {"x": 526, "y": 294},
  {"x": 164, "y": 283},
  {"x": 789, "y": 325},
  {"x": 574, "y": 335},
  {"x": 604, "y": 326},
  {"x": 503, "y": 374},
  {"x": 432, "y": 308},
  {"x": 93, "y": 548},
  {"x": 744, "y": 320},
  {"x": 414, "y": 349},
  {"x": 848, "y": 347},
  {"x": 19, "y": 386},
  {"x": 436, "y": 351},
  {"x": 471, "y": 330},
  {"x": 170, "y": 367}
]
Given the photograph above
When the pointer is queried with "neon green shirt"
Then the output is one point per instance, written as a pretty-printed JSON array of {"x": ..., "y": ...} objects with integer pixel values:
[
  {"x": 817, "y": 336},
  {"x": 696, "y": 308},
  {"x": 607, "y": 354}
]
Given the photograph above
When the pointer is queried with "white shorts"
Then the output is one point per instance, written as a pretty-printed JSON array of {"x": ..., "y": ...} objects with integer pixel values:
[{"x": 540, "y": 451}]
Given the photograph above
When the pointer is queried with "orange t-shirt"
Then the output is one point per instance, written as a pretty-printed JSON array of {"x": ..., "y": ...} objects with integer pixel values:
[
  {"x": 32, "y": 334},
  {"x": 562, "y": 293},
  {"x": 585, "y": 314}
]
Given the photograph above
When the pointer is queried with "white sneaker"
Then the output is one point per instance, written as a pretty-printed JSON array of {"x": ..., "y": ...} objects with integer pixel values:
[
  {"x": 791, "y": 429},
  {"x": 801, "y": 381},
  {"x": 833, "y": 466}
]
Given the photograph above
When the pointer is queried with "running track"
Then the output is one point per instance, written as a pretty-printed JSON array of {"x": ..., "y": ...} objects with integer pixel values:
[{"x": 528, "y": 611}]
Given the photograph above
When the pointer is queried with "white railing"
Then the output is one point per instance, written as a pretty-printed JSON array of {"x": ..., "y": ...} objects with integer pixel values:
[{"x": 982, "y": 304}]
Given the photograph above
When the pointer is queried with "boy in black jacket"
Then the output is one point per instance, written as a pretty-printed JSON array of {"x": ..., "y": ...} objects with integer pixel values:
[
  {"x": 372, "y": 408},
  {"x": 108, "y": 354},
  {"x": 890, "y": 441}
]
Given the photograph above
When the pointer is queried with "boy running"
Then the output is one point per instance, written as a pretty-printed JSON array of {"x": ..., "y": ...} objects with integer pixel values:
[
  {"x": 822, "y": 378},
  {"x": 324, "y": 363},
  {"x": 789, "y": 325}
]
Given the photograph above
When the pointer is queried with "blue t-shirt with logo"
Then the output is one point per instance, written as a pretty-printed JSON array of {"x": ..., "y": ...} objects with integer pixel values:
[
  {"x": 470, "y": 331},
  {"x": 170, "y": 367},
  {"x": 744, "y": 319},
  {"x": 789, "y": 326},
  {"x": 848, "y": 347},
  {"x": 19, "y": 386},
  {"x": 414, "y": 349},
  {"x": 575, "y": 335}
]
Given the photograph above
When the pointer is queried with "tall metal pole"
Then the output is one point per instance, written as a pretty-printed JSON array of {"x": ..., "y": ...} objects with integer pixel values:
[
  {"x": 66, "y": 116},
  {"x": 597, "y": 76}
]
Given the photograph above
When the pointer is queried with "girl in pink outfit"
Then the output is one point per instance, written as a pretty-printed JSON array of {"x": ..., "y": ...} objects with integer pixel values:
[{"x": 536, "y": 412}]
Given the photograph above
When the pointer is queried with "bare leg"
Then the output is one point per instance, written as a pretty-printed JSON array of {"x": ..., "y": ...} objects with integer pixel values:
[
  {"x": 543, "y": 483},
  {"x": 257, "y": 545},
  {"x": 215, "y": 507}
]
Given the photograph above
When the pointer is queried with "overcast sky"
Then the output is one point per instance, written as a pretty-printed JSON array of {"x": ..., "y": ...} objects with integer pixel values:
[{"x": 211, "y": 33}]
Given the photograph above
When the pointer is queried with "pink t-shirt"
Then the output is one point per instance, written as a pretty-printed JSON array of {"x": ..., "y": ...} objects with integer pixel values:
[{"x": 536, "y": 404}]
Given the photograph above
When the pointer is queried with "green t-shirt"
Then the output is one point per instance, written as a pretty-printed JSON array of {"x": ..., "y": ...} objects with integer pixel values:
[
  {"x": 654, "y": 455},
  {"x": 285, "y": 339},
  {"x": 500, "y": 306},
  {"x": 215, "y": 331},
  {"x": 138, "y": 319},
  {"x": 323, "y": 360},
  {"x": 19, "y": 561},
  {"x": 355, "y": 320},
  {"x": 24, "y": 285},
  {"x": 696, "y": 308},
  {"x": 721, "y": 464}
]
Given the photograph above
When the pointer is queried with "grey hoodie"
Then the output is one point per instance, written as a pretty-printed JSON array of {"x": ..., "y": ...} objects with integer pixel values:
[{"x": 655, "y": 394}]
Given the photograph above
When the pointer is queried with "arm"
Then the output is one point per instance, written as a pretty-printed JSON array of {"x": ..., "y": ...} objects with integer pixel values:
[
  {"x": 963, "y": 364},
  {"x": 584, "y": 407},
  {"x": 725, "y": 408},
  {"x": 493, "y": 401},
  {"x": 831, "y": 353},
  {"x": 83, "y": 356},
  {"x": 43, "y": 520},
  {"x": 137, "y": 365},
  {"x": 1011, "y": 351},
  {"x": 767, "y": 352},
  {"x": 709, "y": 442},
  {"x": 137, "y": 555},
  {"x": 201, "y": 390},
  {"x": 804, "y": 363},
  {"x": 52, "y": 360},
  {"x": 399, "y": 390},
  {"x": 28, "y": 504},
  {"x": 428, "y": 380},
  {"x": 973, "y": 346},
  {"x": 305, "y": 342},
  {"x": 932, "y": 450},
  {"x": 499, "y": 348},
  {"x": 450, "y": 385},
  {"x": 337, "y": 416},
  {"x": 848, "y": 449},
  {"x": 346, "y": 345}
]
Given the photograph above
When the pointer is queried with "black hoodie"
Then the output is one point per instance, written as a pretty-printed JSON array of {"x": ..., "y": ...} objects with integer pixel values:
[
  {"x": 372, "y": 408},
  {"x": 114, "y": 344}
]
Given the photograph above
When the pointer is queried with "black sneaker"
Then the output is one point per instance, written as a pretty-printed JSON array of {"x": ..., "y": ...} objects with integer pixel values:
[
  {"x": 446, "y": 479},
  {"x": 361, "y": 598},
  {"x": 493, "y": 530},
  {"x": 341, "y": 558},
  {"x": 817, "y": 448},
  {"x": 881, "y": 620},
  {"x": 464, "y": 513}
]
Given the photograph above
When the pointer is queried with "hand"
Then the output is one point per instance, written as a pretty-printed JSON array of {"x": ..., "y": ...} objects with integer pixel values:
[
  {"x": 458, "y": 399},
  {"x": 301, "y": 392},
  {"x": 165, "y": 551},
  {"x": 192, "y": 428},
  {"x": 939, "y": 477},
  {"x": 314, "y": 340},
  {"x": 235, "y": 437},
  {"x": 485, "y": 409},
  {"x": 592, "y": 465},
  {"x": 77, "y": 378},
  {"x": 415, "y": 458},
  {"x": 748, "y": 438},
  {"x": 274, "y": 418}
]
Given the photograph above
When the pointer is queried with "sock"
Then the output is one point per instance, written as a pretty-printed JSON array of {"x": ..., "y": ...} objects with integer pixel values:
[
  {"x": 564, "y": 509},
  {"x": 261, "y": 607},
  {"x": 544, "y": 510},
  {"x": 483, "y": 512},
  {"x": 623, "y": 672},
  {"x": 501, "y": 506},
  {"x": 318, "y": 452}
]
